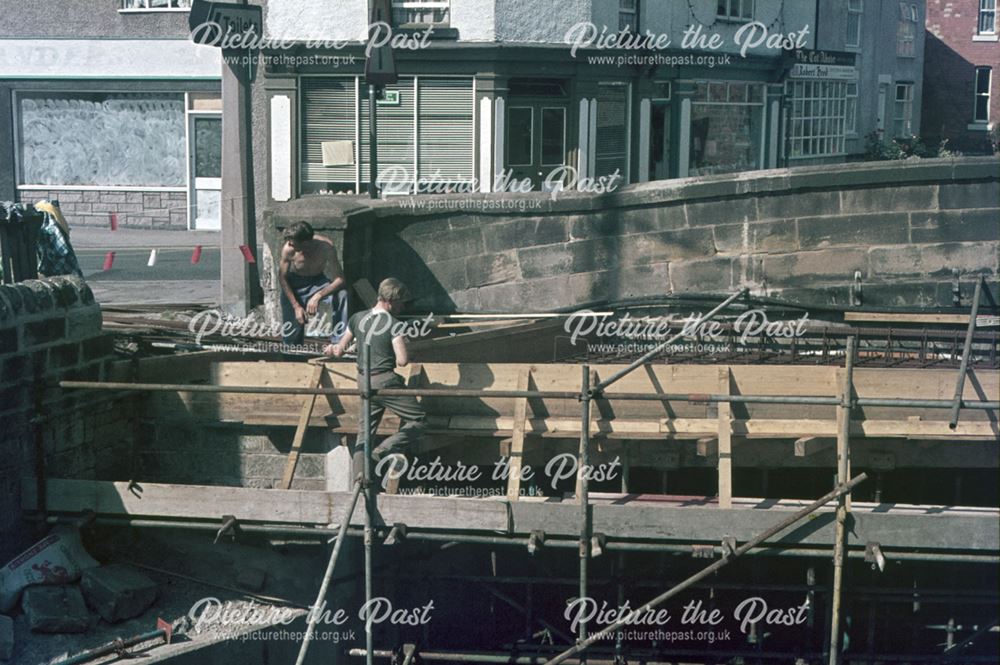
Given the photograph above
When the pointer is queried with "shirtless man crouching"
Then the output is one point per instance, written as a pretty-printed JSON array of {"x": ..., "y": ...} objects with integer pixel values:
[{"x": 306, "y": 261}]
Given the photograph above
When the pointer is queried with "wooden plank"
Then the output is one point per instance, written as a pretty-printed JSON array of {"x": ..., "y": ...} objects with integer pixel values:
[
  {"x": 925, "y": 528},
  {"x": 725, "y": 439},
  {"x": 914, "y": 317},
  {"x": 517, "y": 438},
  {"x": 810, "y": 445},
  {"x": 300, "y": 430}
]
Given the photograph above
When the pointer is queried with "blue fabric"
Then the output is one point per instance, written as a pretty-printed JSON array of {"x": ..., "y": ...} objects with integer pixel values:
[
  {"x": 304, "y": 288},
  {"x": 55, "y": 254}
]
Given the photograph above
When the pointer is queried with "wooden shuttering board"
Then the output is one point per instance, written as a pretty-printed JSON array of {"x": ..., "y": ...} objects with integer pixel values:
[
  {"x": 551, "y": 417},
  {"x": 926, "y": 528}
]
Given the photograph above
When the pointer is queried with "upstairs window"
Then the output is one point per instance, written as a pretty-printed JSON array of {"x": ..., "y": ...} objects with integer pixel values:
[
  {"x": 628, "y": 15},
  {"x": 987, "y": 17},
  {"x": 902, "y": 117},
  {"x": 155, "y": 5},
  {"x": 906, "y": 36},
  {"x": 855, "y": 12},
  {"x": 421, "y": 12},
  {"x": 735, "y": 10},
  {"x": 982, "y": 100}
]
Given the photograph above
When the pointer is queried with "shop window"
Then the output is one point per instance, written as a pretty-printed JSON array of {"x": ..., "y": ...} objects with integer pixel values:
[
  {"x": 735, "y": 10},
  {"x": 126, "y": 140},
  {"x": 906, "y": 34},
  {"x": 520, "y": 136},
  {"x": 902, "y": 117},
  {"x": 628, "y": 15},
  {"x": 421, "y": 12},
  {"x": 819, "y": 118},
  {"x": 851, "y": 122},
  {"x": 155, "y": 5},
  {"x": 982, "y": 100},
  {"x": 553, "y": 136},
  {"x": 855, "y": 13},
  {"x": 987, "y": 17},
  {"x": 726, "y": 127},
  {"x": 611, "y": 153}
]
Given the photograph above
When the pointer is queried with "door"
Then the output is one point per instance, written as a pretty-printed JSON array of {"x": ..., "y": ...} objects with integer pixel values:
[
  {"x": 206, "y": 171},
  {"x": 536, "y": 141},
  {"x": 883, "y": 93},
  {"x": 659, "y": 141}
]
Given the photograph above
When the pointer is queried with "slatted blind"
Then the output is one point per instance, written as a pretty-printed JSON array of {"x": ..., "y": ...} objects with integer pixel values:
[
  {"x": 611, "y": 150},
  {"x": 395, "y": 130},
  {"x": 328, "y": 114},
  {"x": 445, "y": 128}
]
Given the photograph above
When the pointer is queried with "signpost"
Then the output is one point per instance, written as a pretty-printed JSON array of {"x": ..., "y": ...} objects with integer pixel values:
[{"x": 380, "y": 70}]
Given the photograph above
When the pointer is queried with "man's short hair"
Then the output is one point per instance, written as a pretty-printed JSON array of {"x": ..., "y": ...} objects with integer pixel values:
[
  {"x": 392, "y": 290},
  {"x": 298, "y": 232}
]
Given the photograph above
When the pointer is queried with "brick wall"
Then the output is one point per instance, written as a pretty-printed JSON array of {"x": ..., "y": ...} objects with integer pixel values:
[
  {"x": 158, "y": 210},
  {"x": 950, "y": 63},
  {"x": 911, "y": 229},
  {"x": 51, "y": 330}
]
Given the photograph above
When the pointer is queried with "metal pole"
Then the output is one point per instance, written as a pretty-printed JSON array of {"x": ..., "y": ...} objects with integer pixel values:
[
  {"x": 116, "y": 646},
  {"x": 603, "y": 385},
  {"x": 697, "y": 577},
  {"x": 372, "y": 142},
  {"x": 330, "y": 566},
  {"x": 843, "y": 468},
  {"x": 530, "y": 394},
  {"x": 366, "y": 432},
  {"x": 583, "y": 487},
  {"x": 966, "y": 352}
]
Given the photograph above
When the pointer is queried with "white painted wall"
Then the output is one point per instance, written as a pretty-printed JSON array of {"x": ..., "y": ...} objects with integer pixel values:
[{"x": 302, "y": 20}]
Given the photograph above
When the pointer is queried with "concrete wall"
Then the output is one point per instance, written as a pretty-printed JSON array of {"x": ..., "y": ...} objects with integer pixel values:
[
  {"x": 910, "y": 228},
  {"x": 90, "y": 18},
  {"x": 51, "y": 330}
]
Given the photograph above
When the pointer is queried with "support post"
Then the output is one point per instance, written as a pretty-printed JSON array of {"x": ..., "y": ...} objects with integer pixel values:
[
  {"x": 372, "y": 144},
  {"x": 966, "y": 352},
  {"x": 705, "y": 572},
  {"x": 517, "y": 439},
  {"x": 725, "y": 442},
  {"x": 366, "y": 432},
  {"x": 583, "y": 490},
  {"x": 316, "y": 381},
  {"x": 843, "y": 503},
  {"x": 330, "y": 566}
]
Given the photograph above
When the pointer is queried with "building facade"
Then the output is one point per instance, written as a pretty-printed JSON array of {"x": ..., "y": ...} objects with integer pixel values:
[
  {"x": 963, "y": 55},
  {"x": 498, "y": 95},
  {"x": 109, "y": 108}
]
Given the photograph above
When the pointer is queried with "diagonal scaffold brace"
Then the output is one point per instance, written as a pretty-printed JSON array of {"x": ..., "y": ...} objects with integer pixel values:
[{"x": 836, "y": 493}]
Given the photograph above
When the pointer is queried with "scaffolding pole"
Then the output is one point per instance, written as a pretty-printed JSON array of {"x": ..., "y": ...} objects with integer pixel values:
[
  {"x": 330, "y": 566},
  {"x": 583, "y": 490},
  {"x": 366, "y": 432},
  {"x": 966, "y": 352},
  {"x": 708, "y": 570},
  {"x": 843, "y": 470}
]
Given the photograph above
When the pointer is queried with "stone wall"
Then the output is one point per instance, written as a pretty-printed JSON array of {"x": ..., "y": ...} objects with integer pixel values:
[
  {"x": 909, "y": 230},
  {"x": 50, "y": 330},
  {"x": 146, "y": 209}
]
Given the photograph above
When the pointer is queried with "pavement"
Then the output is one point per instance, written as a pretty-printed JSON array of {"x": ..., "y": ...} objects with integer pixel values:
[{"x": 173, "y": 280}]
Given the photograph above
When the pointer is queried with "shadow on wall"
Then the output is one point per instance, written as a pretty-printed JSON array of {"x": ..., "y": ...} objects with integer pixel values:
[{"x": 948, "y": 100}]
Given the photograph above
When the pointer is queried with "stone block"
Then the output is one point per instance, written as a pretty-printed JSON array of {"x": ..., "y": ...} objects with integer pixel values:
[
  {"x": 118, "y": 592},
  {"x": 449, "y": 274},
  {"x": 938, "y": 260},
  {"x": 595, "y": 255},
  {"x": 448, "y": 245},
  {"x": 874, "y": 229},
  {"x": 955, "y": 226},
  {"x": 594, "y": 225},
  {"x": 529, "y": 232},
  {"x": 44, "y": 332},
  {"x": 798, "y": 204},
  {"x": 63, "y": 356},
  {"x": 544, "y": 261},
  {"x": 6, "y": 637},
  {"x": 495, "y": 268},
  {"x": 887, "y": 199},
  {"x": 970, "y": 194},
  {"x": 8, "y": 340},
  {"x": 666, "y": 246},
  {"x": 55, "y": 609},
  {"x": 809, "y": 267},
  {"x": 709, "y": 213},
  {"x": 112, "y": 197},
  {"x": 84, "y": 322},
  {"x": 777, "y": 236},
  {"x": 701, "y": 275}
]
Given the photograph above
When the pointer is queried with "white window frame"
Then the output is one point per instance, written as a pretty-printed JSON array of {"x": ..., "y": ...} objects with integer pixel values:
[
  {"x": 410, "y": 5},
  {"x": 976, "y": 95},
  {"x": 727, "y": 12},
  {"x": 903, "y": 122},
  {"x": 851, "y": 109},
  {"x": 144, "y": 6},
  {"x": 829, "y": 130},
  {"x": 987, "y": 8},
  {"x": 628, "y": 15},
  {"x": 906, "y": 34},
  {"x": 855, "y": 16}
]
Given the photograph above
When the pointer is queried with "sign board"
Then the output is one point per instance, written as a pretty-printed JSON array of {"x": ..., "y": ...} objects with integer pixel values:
[
  {"x": 389, "y": 98},
  {"x": 217, "y": 23},
  {"x": 831, "y": 72}
]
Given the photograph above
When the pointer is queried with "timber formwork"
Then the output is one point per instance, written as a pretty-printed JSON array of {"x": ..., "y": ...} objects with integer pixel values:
[{"x": 662, "y": 416}]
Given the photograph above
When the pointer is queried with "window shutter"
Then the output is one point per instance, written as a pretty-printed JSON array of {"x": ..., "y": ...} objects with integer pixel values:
[
  {"x": 328, "y": 112},
  {"x": 445, "y": 128}
]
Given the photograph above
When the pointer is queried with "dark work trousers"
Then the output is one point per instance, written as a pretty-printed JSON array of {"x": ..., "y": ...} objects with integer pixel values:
[
  {"x": 304, "y": 288},
  {"x": 410, "y": 412}
]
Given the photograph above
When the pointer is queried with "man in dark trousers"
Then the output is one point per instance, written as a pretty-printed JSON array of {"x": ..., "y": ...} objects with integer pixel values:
[
  {"x": 309, "y": 274},
  {"x": 379, "y": 329}
]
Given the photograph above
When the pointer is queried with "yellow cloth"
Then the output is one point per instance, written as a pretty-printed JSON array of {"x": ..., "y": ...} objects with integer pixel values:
[{"x": 47, "y": 206}]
